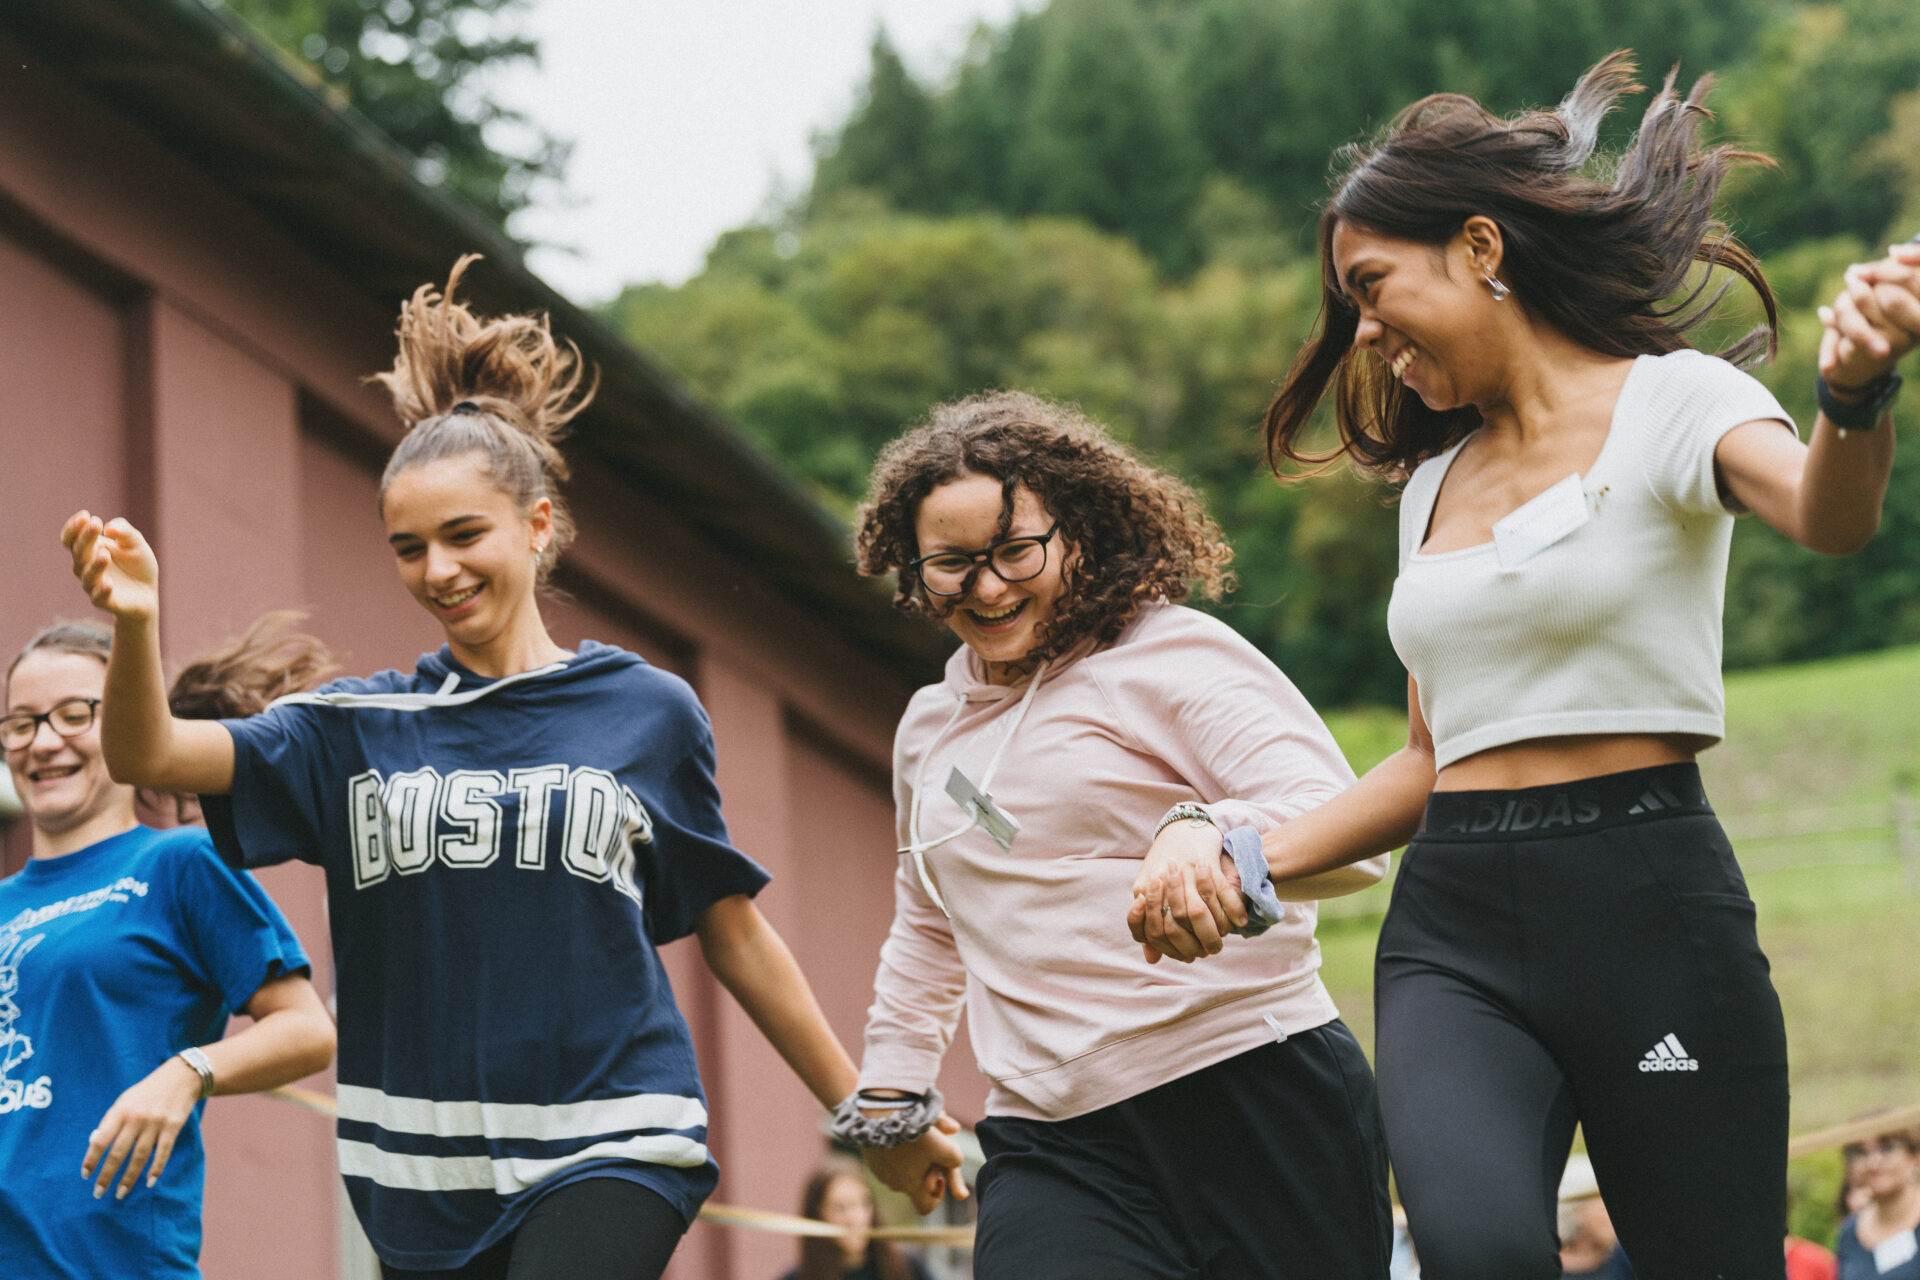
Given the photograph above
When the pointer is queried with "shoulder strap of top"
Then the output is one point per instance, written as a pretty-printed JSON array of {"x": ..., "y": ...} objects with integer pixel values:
[{"x": 1417, "y": 499}]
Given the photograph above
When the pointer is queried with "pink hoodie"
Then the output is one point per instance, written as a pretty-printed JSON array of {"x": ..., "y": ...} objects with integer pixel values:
[{"x": 1065, "y": 1014}]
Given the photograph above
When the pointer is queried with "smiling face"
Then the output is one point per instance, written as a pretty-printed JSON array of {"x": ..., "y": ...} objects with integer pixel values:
[
  {"x": 1000, "y": 621},
  {"x": 63, "y": 782},
  {"x": 1425, "y": 311},
  {"x": 1886, "y": 1167},
  {"x": 469, "y": 555},
  {"x": 847, "y": 1203}
]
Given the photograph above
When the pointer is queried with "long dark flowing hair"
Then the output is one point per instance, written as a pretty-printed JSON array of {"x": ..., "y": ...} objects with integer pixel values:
[
  {"x": 1599, "y": 257},
  {"x": 820, "y": 1256}
]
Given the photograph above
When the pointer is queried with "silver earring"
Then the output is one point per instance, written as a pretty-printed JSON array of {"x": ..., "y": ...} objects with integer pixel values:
[{"x": 1500, "y": 291}]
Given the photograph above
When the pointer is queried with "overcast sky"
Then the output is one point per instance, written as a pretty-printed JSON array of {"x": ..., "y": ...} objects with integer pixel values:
[{"x": 686, "y": 116}]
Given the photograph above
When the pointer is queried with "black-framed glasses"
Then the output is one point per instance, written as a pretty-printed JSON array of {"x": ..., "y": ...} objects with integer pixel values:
[
  {"x": 69, "y": 718},
  {"x": 1885, "y": 1145},
  {"x": 950, "y": 573}
]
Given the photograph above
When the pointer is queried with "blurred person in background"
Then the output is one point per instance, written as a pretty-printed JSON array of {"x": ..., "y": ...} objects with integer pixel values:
[
  {"x": 123, "y": 952},
  {"x": 1588, "y": 1245},
  {"x": 1809, "y": 1261},
  {"x": 1881, "y": 1241},
  {"x": 838, "y": 1193},
  {"x": 1853, "y": 1195}
]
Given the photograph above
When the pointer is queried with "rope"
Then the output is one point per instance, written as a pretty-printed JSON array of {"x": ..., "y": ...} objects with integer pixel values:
[
  {"x": 792, "y": 1224},
  {"x": 720, "y": 1215},
  {"x": 1853, "y": 1131}
]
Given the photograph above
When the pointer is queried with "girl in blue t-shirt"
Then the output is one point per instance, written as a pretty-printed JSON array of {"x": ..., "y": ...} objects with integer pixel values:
[
  {"x": 123, "y": 951},
  {"x": 508, "y": 833}
]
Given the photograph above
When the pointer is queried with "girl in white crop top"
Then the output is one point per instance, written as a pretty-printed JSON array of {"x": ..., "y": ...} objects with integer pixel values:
[{"x": 1495, "y": 326}]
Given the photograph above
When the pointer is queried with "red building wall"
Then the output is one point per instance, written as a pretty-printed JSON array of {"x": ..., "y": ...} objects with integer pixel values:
[{"x": 166, "y": 353}]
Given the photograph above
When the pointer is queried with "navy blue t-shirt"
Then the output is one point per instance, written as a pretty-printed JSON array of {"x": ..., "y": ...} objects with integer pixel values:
[
  {"x": 112, "y": 959},
  {"x": 1899, "y": 1255},
  {"x": 502, "y": 858}
]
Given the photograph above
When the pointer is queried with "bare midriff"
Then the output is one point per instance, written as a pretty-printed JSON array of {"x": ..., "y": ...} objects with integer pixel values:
[{"x": 1541, "y": 762}]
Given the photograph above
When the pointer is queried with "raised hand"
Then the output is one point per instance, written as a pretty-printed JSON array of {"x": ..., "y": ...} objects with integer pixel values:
[
  {"x": 1874, "y": 321},
  {"x": 114, "y": 564},
  {"x": 140, "y": 1128}
]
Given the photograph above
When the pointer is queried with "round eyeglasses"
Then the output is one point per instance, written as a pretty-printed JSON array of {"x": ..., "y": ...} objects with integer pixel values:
[
  {"x": 69, "y": 719},
  {"x": 950, "y": 573}
]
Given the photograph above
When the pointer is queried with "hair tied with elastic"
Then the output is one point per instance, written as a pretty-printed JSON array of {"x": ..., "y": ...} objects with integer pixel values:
[{"x": 500, "y": 388}]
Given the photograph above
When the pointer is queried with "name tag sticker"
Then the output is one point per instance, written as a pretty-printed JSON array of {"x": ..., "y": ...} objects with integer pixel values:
[
  {"x": 1539, "y": 522},
  {"x": 1895, "y": 1250},
  {"x": 992, "y": 819}
]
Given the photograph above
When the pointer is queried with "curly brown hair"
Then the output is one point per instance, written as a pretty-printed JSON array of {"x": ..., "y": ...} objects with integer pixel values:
[{"x": 1140, "y": 533}]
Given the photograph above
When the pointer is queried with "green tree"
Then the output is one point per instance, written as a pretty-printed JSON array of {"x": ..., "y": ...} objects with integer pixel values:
[
  {"x": 885, "y": 145},
  {"x": 1816, "y": 95},
  {"x": 412, "y": 68},
  {"x": 1105, "y": 137}
]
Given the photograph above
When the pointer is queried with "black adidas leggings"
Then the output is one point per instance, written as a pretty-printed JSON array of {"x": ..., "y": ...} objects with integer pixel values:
[{"x": 1583, "y": 952}]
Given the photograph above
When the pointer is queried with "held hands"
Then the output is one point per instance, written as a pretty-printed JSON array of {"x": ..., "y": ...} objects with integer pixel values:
[
  {"x": 1874, "y": 321},
  {"x": 114, "y": 564},
  {"x": 142, "y": 1123},
  {"x": 1187, "y": 895},
  {"x": 922, "y": 1169}
]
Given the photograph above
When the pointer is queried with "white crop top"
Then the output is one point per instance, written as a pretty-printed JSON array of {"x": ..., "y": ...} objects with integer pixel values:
[{"x": 1596, "y": 608}]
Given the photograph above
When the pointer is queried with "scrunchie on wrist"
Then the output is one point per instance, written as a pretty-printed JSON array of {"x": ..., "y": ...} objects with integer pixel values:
[{"x": 905, "y": 1119}]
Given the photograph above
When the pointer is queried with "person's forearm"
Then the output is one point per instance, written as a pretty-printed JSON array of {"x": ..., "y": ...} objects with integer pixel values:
[
  {"x": 144, "y": 745},
  {"x": 753, "y": 963},
  {"x": 136, "y": 728},
  {"x": 283, "y": 1046},
  {"x": 1336, "y": 883},
  {"x": 1843, "y": 486},
  {"x": 1376, "y": 815}
]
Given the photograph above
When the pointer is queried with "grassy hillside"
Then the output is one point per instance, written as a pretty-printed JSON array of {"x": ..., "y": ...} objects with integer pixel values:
[{"x": 1813, "y": 756}]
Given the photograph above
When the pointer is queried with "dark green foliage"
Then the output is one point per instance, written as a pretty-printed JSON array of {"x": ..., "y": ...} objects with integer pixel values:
[
  {"x": 1111, "y": 201},
  {"x": 885, "y": 147},
  {"x": 1816, "y": 94},
  {"x": 409, "y": 66},
  {"x": 1104, "y": 135}
]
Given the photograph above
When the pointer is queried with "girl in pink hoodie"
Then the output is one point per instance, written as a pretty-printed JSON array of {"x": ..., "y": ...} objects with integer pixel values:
[{"x": 1145, "y": 1121}]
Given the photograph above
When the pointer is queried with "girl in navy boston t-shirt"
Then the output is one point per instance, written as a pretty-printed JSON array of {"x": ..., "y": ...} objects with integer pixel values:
[{"x": 509, "y": 832}]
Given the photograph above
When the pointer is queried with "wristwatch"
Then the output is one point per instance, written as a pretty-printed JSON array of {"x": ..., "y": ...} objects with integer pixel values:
[
  {"x": 201, "y": 1067},
  {"x": 1877, "y": 397}
]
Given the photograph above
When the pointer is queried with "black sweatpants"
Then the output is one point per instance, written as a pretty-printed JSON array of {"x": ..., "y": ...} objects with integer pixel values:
[
  {"x": 593, "y": 1229},
  {"x": 1268, "y": 1166},
  {"x": 1583, "y": 952}
]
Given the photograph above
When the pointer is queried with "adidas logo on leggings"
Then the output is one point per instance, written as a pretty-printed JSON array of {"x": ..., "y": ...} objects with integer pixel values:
[{"x": 1669, "y": 1056}]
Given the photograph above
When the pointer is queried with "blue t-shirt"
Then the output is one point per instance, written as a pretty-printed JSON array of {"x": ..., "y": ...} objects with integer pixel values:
[
  {"x": 112, "y": 959},
  {"x": 1900, "y": 1254},
  {"x": 502, "y": 858}
]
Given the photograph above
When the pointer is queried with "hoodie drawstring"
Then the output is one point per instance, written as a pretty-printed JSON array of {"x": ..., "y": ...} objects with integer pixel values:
[{"x": 919, "y": 848}]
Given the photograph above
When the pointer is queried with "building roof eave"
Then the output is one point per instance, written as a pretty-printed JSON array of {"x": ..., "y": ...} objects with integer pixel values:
[{"x": 208, "y": 88}]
